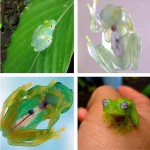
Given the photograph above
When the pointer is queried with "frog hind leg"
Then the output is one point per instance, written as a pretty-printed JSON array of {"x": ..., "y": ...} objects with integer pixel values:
[
  {"x": 101, "y": 56},
  {"x": 53, "y": 120},
  {"x": 37, "y": 90},
  {"x": 11, "y": 99},
  {"x": 33, "y": 137},
  {"x": 134, "y": 46}
]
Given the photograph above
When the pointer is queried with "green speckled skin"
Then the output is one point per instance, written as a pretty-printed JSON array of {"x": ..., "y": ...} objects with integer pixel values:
[
  {"x": 122, "y": 119},
  {"x": 19, "y": 126}
]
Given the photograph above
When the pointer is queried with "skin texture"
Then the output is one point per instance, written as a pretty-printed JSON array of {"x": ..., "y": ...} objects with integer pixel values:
[
  {"x": 113, "y": 108},
  {"x": 94, "y": 133}
]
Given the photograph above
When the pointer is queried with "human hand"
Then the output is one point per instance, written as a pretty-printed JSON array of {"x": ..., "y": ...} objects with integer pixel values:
[{"x": 95, "y": 135}]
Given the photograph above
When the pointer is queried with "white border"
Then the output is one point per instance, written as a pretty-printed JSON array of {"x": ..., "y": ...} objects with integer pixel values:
[
  {"x": 36, "y": 75},
  {"x": 75, "y": 74},
  {"x": 75, "y": 37},
  {"x": 113, "y": 74}
]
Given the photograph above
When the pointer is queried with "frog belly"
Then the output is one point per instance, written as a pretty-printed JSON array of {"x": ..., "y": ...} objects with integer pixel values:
[{"x": 26, "y": 120}]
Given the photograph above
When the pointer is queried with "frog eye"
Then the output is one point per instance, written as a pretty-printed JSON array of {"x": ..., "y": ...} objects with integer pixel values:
[
  {"x": 105, "y": 102},
  {"x": 124, "y": 105}
]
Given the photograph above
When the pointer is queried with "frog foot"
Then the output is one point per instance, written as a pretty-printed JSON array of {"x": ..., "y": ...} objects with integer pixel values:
[
  {"x": 52, "y": 83},
  {"x": 92, "y": 8},
  {"x": 56, "y": 134},
  {"x": 91, "y": 48},
  {"x": 95, "y": 19},
  {"x": 22, "y": 138},
  {"x": 90, "y": 45}
]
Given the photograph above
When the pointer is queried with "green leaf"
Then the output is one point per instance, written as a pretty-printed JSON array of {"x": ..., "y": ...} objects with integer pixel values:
[
  {"x": 21, "y": 56},
  {"x": 146, "y": 90}
]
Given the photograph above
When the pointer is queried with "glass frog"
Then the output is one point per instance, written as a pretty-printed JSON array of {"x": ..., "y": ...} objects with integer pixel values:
[
  {"x": 42, "y": 36},
  {"x": 121, "y": 45},
  {"x": 25, "y": 108},
  {"x": 120, "y": 113}
]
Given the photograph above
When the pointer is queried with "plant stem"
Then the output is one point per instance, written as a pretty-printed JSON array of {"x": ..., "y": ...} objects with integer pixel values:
[
  {"x": 64, "y": 13},
  {"x": 34, "y": 61}
]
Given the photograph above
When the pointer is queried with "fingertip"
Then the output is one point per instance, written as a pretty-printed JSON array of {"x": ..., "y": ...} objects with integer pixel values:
[
  {"x": 128, "y": 91},
  {"x": 132, "y": 94},
  {"x": 82, "y": 112}
]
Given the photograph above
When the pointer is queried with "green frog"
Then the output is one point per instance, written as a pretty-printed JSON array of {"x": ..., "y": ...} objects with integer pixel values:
[{"x": 120, "y": 113}]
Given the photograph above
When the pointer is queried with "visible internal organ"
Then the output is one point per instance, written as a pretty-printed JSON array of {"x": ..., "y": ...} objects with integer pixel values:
[
  {"x": 116, "y": 44},
  {"x": 27, "y": 119},
  {"x": 43, "y": 104},
  {"x": 21, "y": 121}
]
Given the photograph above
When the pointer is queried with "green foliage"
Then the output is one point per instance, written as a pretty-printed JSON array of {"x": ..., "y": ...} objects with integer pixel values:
[
  {"x": 146, "y": 90},
  {"x": 56, "y": 58},
  {"x": 0, "y": 25}
]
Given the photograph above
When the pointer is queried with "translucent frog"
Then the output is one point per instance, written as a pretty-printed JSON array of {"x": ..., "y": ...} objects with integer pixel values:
[
  {"x": 24, "y": 109},
  {"x": 43, "y": 34},
  {"x": 121, "y": 114},
  {"x": 121, "y": 45}
]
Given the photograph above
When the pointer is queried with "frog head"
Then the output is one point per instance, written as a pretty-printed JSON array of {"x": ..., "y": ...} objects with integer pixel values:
[
  {"x": 111, "y": 15},
  {"x": 121, "y": 108},
  {"x": 50, "y": 24},
  {"x": 115, "y": 15},
  {"x": 118, "y": 107}
]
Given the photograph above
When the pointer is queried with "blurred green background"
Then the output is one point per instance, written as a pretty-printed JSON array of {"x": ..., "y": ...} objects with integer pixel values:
[{"x": 86, "y": 85}]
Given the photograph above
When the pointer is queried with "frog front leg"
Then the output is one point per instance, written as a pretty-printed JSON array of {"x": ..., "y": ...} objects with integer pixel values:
[
  {"x": 32, "y": 137},
  {"x": 37, "y": 90},
  {"x": 100, "y": 54},
  {"x": 52, "y": 83},
  {"x": 134, "y": 47},
  {"x": 95, "y": 24},
  {"x": 11, "y": 99}
]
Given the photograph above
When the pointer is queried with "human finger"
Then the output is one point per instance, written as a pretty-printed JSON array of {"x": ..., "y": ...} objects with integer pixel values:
[
  {"x": 82, "y": 112},
  {"x": 132, "y": 94}
]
